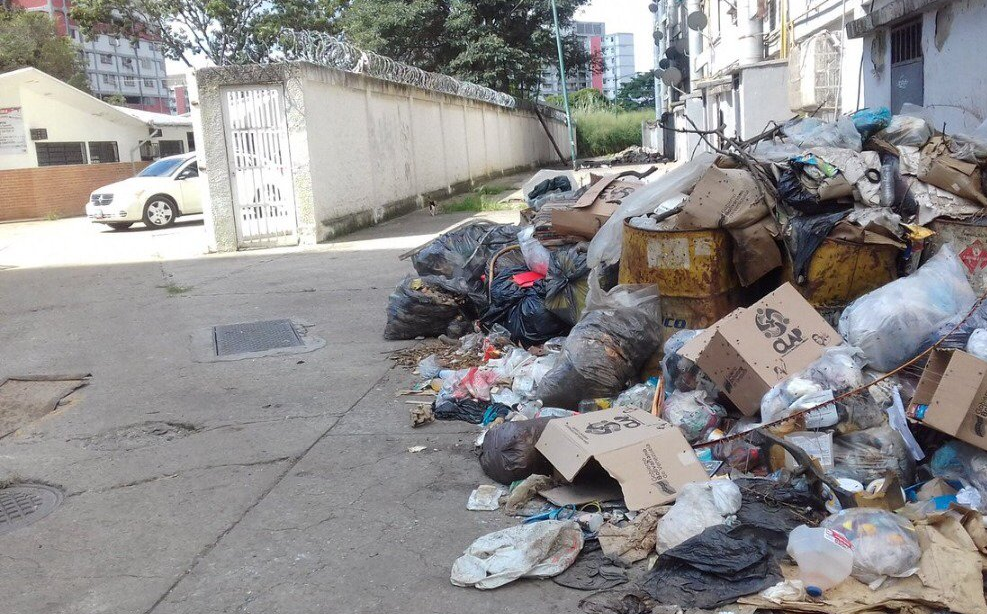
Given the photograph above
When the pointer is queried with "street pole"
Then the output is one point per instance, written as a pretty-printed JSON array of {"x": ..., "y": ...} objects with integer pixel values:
[{"x": 565, "y": 87}]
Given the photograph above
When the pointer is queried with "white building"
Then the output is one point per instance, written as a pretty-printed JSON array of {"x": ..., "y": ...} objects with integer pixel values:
[
  {"x": 113, "y": 64},
  {"x": 740, "y": 67},
  {"x": 611, "y": 62},
  {"x": 929, "y": 54},
  {"x": 46, "y": 122}
]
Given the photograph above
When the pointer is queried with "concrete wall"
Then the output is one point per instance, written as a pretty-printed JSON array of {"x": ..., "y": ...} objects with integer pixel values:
[
  {"x": 61, "y": 191},
  {"x": 954, "y": 74},
  {"x": 764, "y": 97},
  {"x": 364, "y": 149}
]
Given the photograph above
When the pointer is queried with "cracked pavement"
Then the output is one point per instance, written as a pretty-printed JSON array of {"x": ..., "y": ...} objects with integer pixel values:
[{"x": 269, "y": 485}]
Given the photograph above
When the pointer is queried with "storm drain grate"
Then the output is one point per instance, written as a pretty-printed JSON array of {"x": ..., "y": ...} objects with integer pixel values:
[
  {"x": 25, "y": 504},
  {"x": 255, "y": 337}
]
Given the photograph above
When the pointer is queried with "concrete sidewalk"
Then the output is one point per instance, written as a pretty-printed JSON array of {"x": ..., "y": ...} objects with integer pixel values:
[{"x": 272, "y": 485}]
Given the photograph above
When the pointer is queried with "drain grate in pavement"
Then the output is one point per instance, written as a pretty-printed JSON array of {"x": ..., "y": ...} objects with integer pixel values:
[
  {"x": 24, "y": 504},
  {"x": 255, "y": 337}
]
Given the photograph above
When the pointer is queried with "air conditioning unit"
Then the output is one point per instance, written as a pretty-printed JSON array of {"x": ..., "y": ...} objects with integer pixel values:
[{"x": 814, "y": 75}]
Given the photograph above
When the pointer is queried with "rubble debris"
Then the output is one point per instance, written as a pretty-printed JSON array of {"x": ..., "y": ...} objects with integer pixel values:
[{"x": 634, "y": 154}]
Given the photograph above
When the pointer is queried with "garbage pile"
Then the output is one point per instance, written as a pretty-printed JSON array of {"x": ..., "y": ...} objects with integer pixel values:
[
  {"x": 634, "y": 154},
  {"x": 759, "y": 378}
]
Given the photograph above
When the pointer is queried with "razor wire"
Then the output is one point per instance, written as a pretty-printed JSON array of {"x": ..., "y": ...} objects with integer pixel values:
[{"x": 327, "y": 50}]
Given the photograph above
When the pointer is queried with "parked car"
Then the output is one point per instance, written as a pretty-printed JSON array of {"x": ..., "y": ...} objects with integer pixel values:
[{"x": 157, "y": 196}]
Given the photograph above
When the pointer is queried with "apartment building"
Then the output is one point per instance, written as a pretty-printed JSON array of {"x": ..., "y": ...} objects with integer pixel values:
[
  {"x": 611, "y": 65},
  {"x": 114, "y": 66}
]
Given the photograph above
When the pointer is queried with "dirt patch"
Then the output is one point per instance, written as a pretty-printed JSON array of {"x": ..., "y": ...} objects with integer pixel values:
[{"x": 139, "y": 435}]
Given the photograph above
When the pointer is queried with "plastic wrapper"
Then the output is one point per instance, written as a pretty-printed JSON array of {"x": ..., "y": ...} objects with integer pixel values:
[
  {"x": 870, "y": 120},
  {"x": 812, "y": 132},
  {"x": 425, "y": 307},
  {"x": 638, "y": 396},
  {"x": 694, "y": 414},
  {"x": 776, "y": 151},
  {"x": 884, "y": 544},
  {"x": 955, "y": 333},
  {"x": 605, "y": 247},
  {"x": 567, "y": 284},
  {"x": 778, "y": 402},
  {"x": 868, "y": 455},
  {"x": 839, "y": 369},
  {"x": 699, "y": 505},
  {"x": 429, "y": 367},
  {"x": 907, "y": 130},
  {"x": 977, "y": 345},
  {"x": 536, "y": 257},
  {"x": 607, "y": 348},
  {"x": 959, "y": 461},
  {"x": 971, "y": 147},
  {"x": 890, "y": 324},
  {"x": 681, "y": 373},
  {"x": 464, "y": 252},
  {"x": 508, "y": 452},
  {"x": 522, "y": 311}
]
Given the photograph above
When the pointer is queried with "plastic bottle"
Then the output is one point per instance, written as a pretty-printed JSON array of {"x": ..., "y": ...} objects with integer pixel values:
[{"x": 824, "y": 557}]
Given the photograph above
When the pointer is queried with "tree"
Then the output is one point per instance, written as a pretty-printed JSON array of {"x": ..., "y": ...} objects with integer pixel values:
[
  {"x": 116, "y": 99},
  {"x": 502, "y": 44},
  {"x": 29, "y": 38},
  {"x": 639, "y": 92},
  {"x": 588, "y": 99},
  {"x": 221, "y": 31}
]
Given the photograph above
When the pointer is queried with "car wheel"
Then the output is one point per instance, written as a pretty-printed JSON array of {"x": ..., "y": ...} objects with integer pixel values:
[
  {"x": 121, "y": 225},
  {"x": 160, "y": 212}
]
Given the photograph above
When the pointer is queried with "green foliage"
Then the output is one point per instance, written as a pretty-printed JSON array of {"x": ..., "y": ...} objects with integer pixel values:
[
  {"x": 602, "y": 132},
  {"x": 29, "y": 38},
  {"x": 222, "y": 31},
  {"x": 588, "y": 99},
  {"x": 638, "y": 93},
  {"x": 117, "y": 99},
  {"x": 483, "y": 198},
  {"x": 502, "y": 44}
]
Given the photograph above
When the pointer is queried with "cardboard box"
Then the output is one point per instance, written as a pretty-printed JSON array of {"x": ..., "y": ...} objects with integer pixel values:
[
  {"x": 594, "y": 207},
  {"x": 937, "y": 167},
  {"x": 950, "y": 396},
  {"x": 649, "y": 458},
  {"x": 751, "y": 350}
]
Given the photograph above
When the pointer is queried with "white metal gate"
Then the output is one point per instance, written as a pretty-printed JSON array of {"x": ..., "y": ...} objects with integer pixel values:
[{"x": 260, "y": 166}]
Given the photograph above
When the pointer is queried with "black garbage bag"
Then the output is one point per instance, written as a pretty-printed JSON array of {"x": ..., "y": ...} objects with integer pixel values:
[
  {"x": 522, "y": 311},
  {"x": 508, "y": 452},
  {"x": 467, "y": 410},
  {"x": 777, "y": 509},
  {"x": 805, "y": 234},
  {"x": 427, "y": 307},
  {"x": 714, "y": 568},
  {"x": 592, "y": 571},
  {"x": 465, "y": 251},
  {"x": 606, "y": 350},
  {"x": 559, "y": 183},
  {"x": 794, "y": 194},
  {"x": 567, "y": 284}
]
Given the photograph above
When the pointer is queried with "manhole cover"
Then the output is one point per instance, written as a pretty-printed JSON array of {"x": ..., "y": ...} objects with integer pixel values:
[
  {"x": 25, "y": 504},
  {"x": 255, "y": 337}
]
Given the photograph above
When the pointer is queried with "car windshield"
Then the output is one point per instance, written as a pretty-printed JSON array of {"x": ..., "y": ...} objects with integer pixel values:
[{"x": 161, "y": 168}]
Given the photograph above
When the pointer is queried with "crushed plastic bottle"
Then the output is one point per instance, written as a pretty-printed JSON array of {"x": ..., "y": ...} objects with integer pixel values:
[{"x": 824, "y": 557}]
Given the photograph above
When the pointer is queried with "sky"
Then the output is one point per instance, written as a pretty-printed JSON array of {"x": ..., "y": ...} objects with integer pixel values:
[{"x": 622, "y": 16}]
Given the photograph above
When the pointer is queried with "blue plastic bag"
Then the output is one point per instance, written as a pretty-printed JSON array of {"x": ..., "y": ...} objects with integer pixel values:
[{"x": 871, "y": 120}]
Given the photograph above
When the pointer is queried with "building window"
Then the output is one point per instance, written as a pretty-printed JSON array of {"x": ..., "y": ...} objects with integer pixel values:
[
  {"x": 906, "y": 42},
  {"x": 103, "y": 152},
  {"x": 105, "y": 58},
  {"x": 170, "y": 148},
  {"x": 110, "y": 79},
  {"x": 149, "y": 83},
  {"x": 127, "y": 63},
  {"x": 129, "y": 82},
  {"x": 58, "y": 154},
  {"x": 190, "y": 137},
  {"x": 145, "y": 64}
]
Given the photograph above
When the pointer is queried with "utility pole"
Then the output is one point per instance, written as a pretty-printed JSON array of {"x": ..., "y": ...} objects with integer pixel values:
[{"x": 565, "y": 87}]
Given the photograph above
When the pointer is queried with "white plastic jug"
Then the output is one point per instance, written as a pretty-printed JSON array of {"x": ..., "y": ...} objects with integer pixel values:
[{"x": 824, "y": 557}]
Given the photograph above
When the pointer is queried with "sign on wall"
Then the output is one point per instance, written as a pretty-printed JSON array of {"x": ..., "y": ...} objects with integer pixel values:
[{"x": 12, "y": 139}]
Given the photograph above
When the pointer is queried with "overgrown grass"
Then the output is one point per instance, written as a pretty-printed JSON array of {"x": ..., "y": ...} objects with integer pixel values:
[
  {"x": 483, "y": 198},
  {"x": 605, "y": 131}
]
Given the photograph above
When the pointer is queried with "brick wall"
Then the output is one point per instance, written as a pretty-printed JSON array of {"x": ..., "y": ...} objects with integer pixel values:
[{"x": 61, "y": 191}]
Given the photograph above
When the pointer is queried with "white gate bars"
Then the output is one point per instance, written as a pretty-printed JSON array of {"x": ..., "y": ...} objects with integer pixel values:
[{"x": 260, "y": 166}]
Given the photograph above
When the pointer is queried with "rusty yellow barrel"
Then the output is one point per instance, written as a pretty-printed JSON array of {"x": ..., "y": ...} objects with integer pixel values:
[
  {"x": 693, "y": 270},
  {"x": 841, "y": 271}
]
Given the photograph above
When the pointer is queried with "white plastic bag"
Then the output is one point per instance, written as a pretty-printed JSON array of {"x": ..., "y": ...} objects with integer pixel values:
[
  {"x": 699, "y": 506},
  {"x": 977, "y": 345},
  {"x": 890, "y": 323},
  {"x": 605, "y": 247},
  {"x": 884, "y": 544},
  {"x": 693, "y": 413},
  {"x": 536, "y": 256},
  {"x": 812, "y": 132},
  {"x": 537, "y": 550}
]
